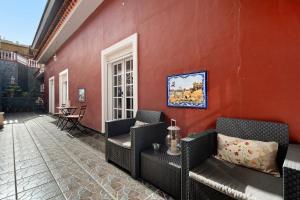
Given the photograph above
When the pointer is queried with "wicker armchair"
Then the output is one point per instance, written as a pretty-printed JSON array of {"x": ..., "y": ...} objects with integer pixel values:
[
  {"x": 124, "y": 142},
  {"x": 229, "y": 181}
]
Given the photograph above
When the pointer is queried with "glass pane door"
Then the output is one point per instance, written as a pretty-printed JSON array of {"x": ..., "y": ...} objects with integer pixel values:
[
  {"x": 129, "y": 88},
  {"x": 117, "y": 90},
  {"x": 51, "y": 96},
  {"x": 122, "y": 89},
  {"x": 64, "y": 92}
]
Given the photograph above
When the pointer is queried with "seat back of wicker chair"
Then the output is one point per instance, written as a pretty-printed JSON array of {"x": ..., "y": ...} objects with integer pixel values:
[
  {"x": 149, "y": 116},
  {"x": 257, "y": 130}
]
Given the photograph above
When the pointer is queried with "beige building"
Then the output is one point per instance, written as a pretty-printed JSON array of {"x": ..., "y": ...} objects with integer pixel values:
[{"x": 21, "y": 49}]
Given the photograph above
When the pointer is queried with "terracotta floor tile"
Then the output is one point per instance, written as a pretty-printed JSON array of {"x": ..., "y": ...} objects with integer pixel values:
[
  {"x": 42, "y": 192},
  {"x": 51, "y": 165},
  {"x": 34, "y": 181},
  {"x": 30, "y": 171},
  {"x": 7, "y": 177},
  {"x": 7, "y": 190}
]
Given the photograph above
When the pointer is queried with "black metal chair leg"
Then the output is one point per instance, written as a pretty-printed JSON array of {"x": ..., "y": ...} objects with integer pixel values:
[
  {"x": 76, "y": 126},
  {"x": 58, "y": 121},
  {"x": 61, "y": 121},
  {"x": 65, "y": 124},
  {"x": 73, "y": 126}
]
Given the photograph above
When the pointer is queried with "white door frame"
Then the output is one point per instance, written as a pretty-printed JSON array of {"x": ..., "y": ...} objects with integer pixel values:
[
  {"x": 51, "y": 102},
  {"x": 61, "y": 74},
  {"x": 127, "y": 46}
]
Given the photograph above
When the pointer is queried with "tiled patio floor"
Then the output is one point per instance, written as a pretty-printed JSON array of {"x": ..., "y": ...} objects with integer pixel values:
[{"x": 38, "y": 161}]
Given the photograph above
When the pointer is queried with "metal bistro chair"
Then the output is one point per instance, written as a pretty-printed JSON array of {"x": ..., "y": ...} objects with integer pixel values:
[
  {"x": 75, "y": 119},
  {"x": 66, "y": 111},
  {"x": 60, "y": 116}
]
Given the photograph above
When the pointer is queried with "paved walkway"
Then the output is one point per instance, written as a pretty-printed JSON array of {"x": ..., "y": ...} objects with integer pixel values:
[{"x": 38, "y": 161}]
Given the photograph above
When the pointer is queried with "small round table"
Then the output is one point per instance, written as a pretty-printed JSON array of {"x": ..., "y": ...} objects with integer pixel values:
[{"x": 65, "y": 110}]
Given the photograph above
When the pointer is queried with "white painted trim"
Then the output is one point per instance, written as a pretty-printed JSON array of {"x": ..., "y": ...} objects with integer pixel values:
[
  {"x": 53, "y": 96},
  {"x": 64, "y": 72},
  {"x": 82, "y": 10},
  {"x": 46, "y": 14},
  {"x": 111, "y": 53},
  {"x": 113, "y": 60},
  {"x": 61, "y": 74}
]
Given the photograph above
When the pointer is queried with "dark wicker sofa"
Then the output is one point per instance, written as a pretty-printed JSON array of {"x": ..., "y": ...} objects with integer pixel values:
[
  {"x": 124, "y": 142},
  {"x": 204, "y": 177}
]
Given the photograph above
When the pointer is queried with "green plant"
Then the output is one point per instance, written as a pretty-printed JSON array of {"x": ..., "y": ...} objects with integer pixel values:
[
  {"x": 25, "y": 94},
  {"x": 13, "y": 90}
]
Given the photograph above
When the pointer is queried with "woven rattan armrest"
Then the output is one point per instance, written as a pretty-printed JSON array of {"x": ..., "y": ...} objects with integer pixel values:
[
  {"x": 195, "y": 150},
  {"x": 142, "y": 138},
  {"x": 291, "y": 173},
  {"x": 118, "y": 127}
]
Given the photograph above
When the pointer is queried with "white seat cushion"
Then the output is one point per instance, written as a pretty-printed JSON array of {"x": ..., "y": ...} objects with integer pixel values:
[
  {"x": 237, "y": 181},
  {"x": 139, "y": 124},
  {"x": 122, "y": 140}
]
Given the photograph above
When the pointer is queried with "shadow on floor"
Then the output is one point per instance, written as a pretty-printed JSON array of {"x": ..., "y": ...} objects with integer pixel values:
[
  {"x": 41, "y": 162},
  {"x": 90, "y": 137},
  {"x": 20, "y": 117}
]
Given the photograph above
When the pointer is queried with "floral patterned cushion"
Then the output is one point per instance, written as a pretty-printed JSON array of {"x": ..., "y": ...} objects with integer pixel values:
[{"x": 249, "y": 153}]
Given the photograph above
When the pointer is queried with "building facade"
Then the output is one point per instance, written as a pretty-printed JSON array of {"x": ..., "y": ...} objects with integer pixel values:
[
  {"x": 121, "y": 53},
  {"x": 10, "y": 46}
]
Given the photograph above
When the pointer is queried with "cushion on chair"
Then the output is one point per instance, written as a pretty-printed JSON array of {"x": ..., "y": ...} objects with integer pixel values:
[
  {"x": 257, "y": 130},
  {"x": 139, "y": 124},
  {"x": 237, "y": 181},
  {"x": 122, "y": 140},
  {"x": 249, "y": 153}
]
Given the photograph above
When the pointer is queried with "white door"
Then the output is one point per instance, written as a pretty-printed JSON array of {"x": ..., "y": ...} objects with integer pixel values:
[
  {"x": 64, "y": 92},
  {"x": 63, "y": 88},
  {"x": 51, "y": 96},
  {"x": 122, "y": 89}
]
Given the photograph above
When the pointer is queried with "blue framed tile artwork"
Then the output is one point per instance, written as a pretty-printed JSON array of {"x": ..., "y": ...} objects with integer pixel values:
[{"x": 187, "y": 90}]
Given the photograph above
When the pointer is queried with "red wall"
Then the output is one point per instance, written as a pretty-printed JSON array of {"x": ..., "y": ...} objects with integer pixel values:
[{"x": 249, "y": 48}]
